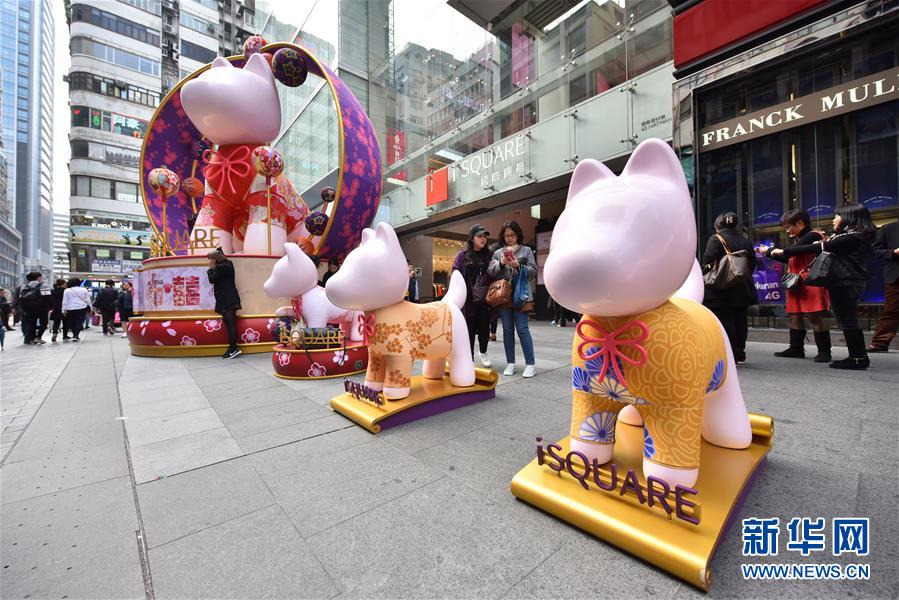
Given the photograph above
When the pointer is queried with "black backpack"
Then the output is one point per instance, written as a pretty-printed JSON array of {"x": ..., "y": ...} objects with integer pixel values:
[{"x": 30, "y": 297}]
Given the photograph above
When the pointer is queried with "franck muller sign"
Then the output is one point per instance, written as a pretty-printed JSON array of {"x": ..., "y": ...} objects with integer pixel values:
[{"x": 850, "y": 96}]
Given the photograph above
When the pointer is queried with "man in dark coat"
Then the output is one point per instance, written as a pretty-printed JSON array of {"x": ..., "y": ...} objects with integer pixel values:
[
  {"x": 886, "y": 246},
  {"x": 105, "y": 303},
  {"x": 227, "y": 298}
]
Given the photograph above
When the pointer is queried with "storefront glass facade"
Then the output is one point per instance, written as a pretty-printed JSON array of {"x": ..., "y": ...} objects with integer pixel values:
[{"x": 849, "y": 158}]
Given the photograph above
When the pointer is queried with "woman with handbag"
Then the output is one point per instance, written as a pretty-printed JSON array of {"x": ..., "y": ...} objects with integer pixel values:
[
  {"x": 729, "y": 300},
  {"x": 803, "y": 301},
  {"x": 840, "y": 267},
  {"x": 472, "y": 262},
  {"x": 509, "y": 262}
]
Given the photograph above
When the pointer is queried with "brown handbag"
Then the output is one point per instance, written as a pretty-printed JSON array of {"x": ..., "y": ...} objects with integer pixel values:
[{"x": 499, "y": 293}]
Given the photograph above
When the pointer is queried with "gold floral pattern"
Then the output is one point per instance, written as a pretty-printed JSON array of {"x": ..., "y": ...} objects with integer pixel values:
[
  {"x": 684, "y": 345},
  {"x": 406, "y": 332}
]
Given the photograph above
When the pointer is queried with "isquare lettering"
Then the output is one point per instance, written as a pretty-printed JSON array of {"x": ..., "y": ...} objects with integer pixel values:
[
  {"x": 587, "y": 472},
  {"x": 362, "y": 392}
]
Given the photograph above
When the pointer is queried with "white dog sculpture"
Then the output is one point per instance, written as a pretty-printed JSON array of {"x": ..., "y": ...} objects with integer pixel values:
[
  {"x": 621, "y": 254},
  {"x": 374, "y": 278},
  {"x": 294, "y": 276}
]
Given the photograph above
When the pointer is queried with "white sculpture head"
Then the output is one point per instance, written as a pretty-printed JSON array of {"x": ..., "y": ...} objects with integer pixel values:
[
  {"x": 230, "y": 105},
  {"x": 292, "y": 275},
  {"x": 623, "y": 245},
  {"x": 374, "y": 275}
]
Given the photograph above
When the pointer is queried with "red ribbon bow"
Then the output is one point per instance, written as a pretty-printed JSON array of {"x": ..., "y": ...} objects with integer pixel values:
[
  {"x": 219, "y": 173},
  {"x": 297, "y": 305},
  {"x": 610, "y": 345},
  {"x": 366, "y": 327}
]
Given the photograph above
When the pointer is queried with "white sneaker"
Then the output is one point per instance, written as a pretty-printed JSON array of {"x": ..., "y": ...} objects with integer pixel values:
[
  {"x": 529, "y": 371},
  {"x": 552, "y": 322},
  {"x": 510, "y": 369},
  {"x": 124, "y": 335},
  {"x": 485, "y": 360}
]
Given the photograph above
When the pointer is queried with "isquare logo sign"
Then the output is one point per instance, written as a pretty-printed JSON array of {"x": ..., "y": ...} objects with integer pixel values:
[{"x": 837, "y": 100}]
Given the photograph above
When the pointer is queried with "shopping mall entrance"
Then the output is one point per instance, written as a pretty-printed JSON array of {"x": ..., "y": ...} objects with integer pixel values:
[{"x": 433, "y": 250}]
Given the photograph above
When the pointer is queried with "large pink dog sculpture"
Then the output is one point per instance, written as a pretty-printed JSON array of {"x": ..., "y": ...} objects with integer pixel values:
[
  {"x": 238, "y": 110},
  {"x": 295, "y": 276},
  {"x": 374, "y": 278},
  {"x": 620, "y": 254}
]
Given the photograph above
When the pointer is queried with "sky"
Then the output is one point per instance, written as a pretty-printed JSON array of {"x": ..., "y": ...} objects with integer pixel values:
[{"x": 61, "y": 121}]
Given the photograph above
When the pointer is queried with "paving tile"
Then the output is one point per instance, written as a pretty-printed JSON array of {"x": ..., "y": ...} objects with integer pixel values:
[
  {"x": 442, "y": 540},
  {"x": 259, "y": 555},
  {"x": 189, "y": 502},
  {"x": 176, "y": 455},
  {"x": 147, "y": 431},
  {"x": 336, "y": 486},
  {"x": 79, "y": 543},
  {"x": 272, "y": 416}
]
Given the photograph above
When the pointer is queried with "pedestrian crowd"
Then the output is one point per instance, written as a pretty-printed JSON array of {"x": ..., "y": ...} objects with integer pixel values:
[{"x": 70, "y": 306}]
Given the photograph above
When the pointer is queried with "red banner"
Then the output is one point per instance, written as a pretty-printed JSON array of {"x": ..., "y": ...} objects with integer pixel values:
[
  {"x": 437, "y": 186},
  {"x": 396, "y": 150}
]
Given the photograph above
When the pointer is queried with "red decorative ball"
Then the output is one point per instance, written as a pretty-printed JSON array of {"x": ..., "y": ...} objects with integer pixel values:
[
  {"x": 316, "y": 222},
  {"x": 289, "y": 67},
  {"x": 267, "y": 161},
  {"x": 253, "y": 44},
  {"x": 193, "y": 187},
  {"x": 163, "y": 181}
]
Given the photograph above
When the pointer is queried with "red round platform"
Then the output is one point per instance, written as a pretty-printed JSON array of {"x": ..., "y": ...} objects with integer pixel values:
[{"x": 291, "y": 363}]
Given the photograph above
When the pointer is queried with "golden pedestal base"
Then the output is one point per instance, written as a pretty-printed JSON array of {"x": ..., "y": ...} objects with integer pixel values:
[
  {"x": 427, "y": 397},
  {"x": 679, "y": 547}
]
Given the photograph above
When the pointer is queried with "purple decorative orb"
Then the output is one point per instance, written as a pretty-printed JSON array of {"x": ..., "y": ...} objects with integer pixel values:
[
  {"x": 289, "y": 67},
  {"x": 328, "y": 195},
  {"x": 316, "y": 222},
  {"x": 280, "y": 324},
  {"x": 253, "y": 44},
  {"x": 198, "y": 148}
]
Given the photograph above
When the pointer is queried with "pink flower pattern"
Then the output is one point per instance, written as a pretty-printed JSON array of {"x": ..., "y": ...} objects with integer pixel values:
[
  {"x": 283, "y": 358},
  {"x": 188, "y": 341},
  {"x": 212, "y": 325},
  {"x": 317, "y": 370},
  {"x": 250, "y": 336}
]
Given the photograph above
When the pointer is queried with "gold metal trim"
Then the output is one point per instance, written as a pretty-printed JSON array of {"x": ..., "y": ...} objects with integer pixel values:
[
  {"x": 423, "y": 390},
  {"x": 189, "y": 351},
  {"x": 322, "y": 377}
]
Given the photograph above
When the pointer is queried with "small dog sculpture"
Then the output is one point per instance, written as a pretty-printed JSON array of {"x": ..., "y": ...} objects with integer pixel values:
[
  {"x": 295, "y": 276},
  {"x": 620, "y": 254},
  {"x": 374, "y": 278}
]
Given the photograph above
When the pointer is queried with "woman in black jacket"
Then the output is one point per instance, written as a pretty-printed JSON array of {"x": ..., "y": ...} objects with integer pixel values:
[
  {"x": 56, "y": 307},
  {"x": 125, "y": 305},
  {"x": 803, "y": 301},
  {"x": 730, "y": 304},
  {"x": 227, "y": 299},
  {"x": 850, "y": 245},
  {"x": 472, "y": 262}
]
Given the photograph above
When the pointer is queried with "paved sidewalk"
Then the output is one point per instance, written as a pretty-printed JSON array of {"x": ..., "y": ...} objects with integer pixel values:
[{"x": 138, "y": 477}]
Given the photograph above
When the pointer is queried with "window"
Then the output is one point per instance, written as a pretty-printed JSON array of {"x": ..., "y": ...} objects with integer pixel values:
[
  {"x": 80, "y": 116},
  {"x": 101, "y": 188},
  {"x": 126, "y": 192},
  {"x": 105, "y": 153},
  {"x": 196, "y": 52},
  {"x": 151, "y": 6},
  {"x": 196, "y": 23},
  {"x": 111, "y": 22},
  {"x": 108, "y": 87},
  {"x": 106, "y": 121},
  {"x": 87, "y": 46},
  {"x": 211, "y": 4}
]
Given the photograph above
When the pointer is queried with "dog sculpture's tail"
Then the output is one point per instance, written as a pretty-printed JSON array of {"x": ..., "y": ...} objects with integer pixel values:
[{"x": 456, "y": 293}]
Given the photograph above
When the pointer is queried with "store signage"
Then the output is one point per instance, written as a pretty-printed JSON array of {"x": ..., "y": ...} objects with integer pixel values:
[
  {"x": 396, "y": 150},
  {"x": 109, "y": 235},
  {"x": 437, "y": 186},
  {"x": 847, "y": 97},
  {"x": 496, "y": 164}
]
